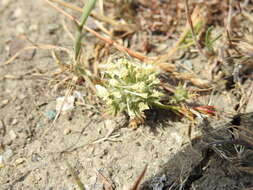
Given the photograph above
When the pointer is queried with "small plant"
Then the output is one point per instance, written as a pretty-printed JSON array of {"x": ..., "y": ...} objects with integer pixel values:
[
  {"x": 132, "y": 87},
  {"x": 180, "y": 94},
  {"x": 209, "y": 41},
  {"x": 89, "y": 5}
]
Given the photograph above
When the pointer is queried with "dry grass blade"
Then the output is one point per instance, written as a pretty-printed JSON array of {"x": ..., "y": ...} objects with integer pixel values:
[
  {"x": 39, "y": 46},
  {"x": 88, "y": 7},
  {"x": 246, "y": 138},
  {"x": 189, "y": 19},
  {"x": 245, "y": 129},
  {"x": 105, "y": 39},
  {"x": 138, "y": 181},
  {"x": 247, "y": 15},
  {"x": 195, "y": 19},
  {"x": 229, "y": 19},
  {"x": 99, "y": 17}
]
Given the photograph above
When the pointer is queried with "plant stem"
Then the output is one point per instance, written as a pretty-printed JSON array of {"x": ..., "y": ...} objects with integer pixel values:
[
  {"x": 166, "y": 107},
  {"x": 89, "y": 5}
]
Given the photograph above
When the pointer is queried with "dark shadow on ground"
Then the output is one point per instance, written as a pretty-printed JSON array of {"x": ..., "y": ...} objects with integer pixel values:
[{"x": 201, "y": 166}]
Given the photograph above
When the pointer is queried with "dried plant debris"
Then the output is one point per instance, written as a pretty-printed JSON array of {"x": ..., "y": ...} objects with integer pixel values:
[
  {"x": 234, "y": 141},
  {"x": 222, "y": 153}
]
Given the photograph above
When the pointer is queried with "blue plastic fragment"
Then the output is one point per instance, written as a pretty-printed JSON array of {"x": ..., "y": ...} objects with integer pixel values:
[{"x": 50, "y": 114}]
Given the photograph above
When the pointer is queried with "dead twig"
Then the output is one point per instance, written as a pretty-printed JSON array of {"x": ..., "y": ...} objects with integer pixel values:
[
  {"x": 245, "y": 98},
  {"x": 248, "y": 16},
  {"x": 140, "y": 177},
  {"x": 105, "y": 39},
  {"x": 99, "y": 17}
]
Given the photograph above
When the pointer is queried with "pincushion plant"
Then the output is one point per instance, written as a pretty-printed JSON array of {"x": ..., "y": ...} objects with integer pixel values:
[{"x": 130, "y": 87}]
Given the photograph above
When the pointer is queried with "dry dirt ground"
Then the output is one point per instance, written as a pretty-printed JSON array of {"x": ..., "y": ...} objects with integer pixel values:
[{"x": 101, "y": 151}]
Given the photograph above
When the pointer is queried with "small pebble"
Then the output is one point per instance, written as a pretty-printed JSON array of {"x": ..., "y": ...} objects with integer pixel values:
[
  {"x": 4, "y": 102},
  {"x": 19, "y": 108},
  {"x": 22, "y": 96},
  {"x": 19, "y": 161},
  {"x": 14, "y": 122},
  {"x": 12, "y": 135},
  {"x": 33, "y": 28},
  {"x": 36, "y": 157},
  {"x": 64, "y": 104},
  {"x": 66, "y": 131},
  {"x": 20, "y": 28},
  {"x": 7, "y": 155},
  {"x": 17, "y": 13}
]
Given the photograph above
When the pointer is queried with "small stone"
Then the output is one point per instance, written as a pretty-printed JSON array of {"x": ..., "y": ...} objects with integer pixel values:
[
  {"x": 14, "y": 122},
  {"x": 65, "y": 104},
  {"x": 17, "y": 13},
  {"x": 20, "y": 28},
  {"x": 4, "y": 102},
  {"x": 19, "y": 108},
  {"x": 12, "y": 135},
  {"x": 36, "y": 157},
  {"x": 22, "y": 96},
  {"x": 66, "y": 131},
  {"x": 19, "y": 161},
  {"x": 33, "y": 28},
  {"x": 7, "y": 155}
]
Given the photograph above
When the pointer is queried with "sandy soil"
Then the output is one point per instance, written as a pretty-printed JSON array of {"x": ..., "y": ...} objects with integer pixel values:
[{"x": 102, "y": 151}]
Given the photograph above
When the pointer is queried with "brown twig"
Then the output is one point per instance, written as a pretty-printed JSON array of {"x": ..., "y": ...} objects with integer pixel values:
[
  {"x": 78, "y": 9},
  {"x": 105, "y": 39},
  {"x": 62, "y": 12},
  {"x": 138, "y": 181}
]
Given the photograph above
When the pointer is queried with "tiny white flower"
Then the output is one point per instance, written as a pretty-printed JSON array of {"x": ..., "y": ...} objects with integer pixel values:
[
  {"x": 113, "y": 82},
  {"x": 102, "y": 91}
]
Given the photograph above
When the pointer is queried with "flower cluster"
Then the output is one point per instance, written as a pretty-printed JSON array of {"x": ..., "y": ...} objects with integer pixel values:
[{"x": 130, "y": 87}]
